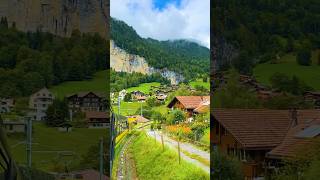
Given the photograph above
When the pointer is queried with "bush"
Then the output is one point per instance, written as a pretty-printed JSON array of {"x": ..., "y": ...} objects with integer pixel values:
[
  {"x": 127, "y": 97},
  {"x": 152, "y": 101},
  {"x": 225, "y": 167},
  {"x": 304, "y": 57},
  {"x": 176, "y": 116}
]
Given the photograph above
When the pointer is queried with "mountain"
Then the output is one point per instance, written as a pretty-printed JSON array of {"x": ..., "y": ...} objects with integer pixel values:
[
  {"x": 181, "y": 59},
  {"x": 59, "y": 17}
]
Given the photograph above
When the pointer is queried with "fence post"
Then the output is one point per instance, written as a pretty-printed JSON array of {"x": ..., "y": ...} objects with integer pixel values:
[
  {"x": 179, "y": 151},
  {"x": 162, "y": 141}
]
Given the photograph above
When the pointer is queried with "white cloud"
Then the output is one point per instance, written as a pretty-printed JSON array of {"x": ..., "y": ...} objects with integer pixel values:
[{"x": 191, "y": 20}]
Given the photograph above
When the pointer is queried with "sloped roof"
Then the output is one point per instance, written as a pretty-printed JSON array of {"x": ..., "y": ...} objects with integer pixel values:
[
  {"x": 82, "y": 94},
  {"x": 96, "y": 114},
  {"x": 141, "y": 119},
  {"x": 189, "y": 102},
  {"x": 42, "y": 93},
  {"x": 255, "y": 128},
  {"x": 293, "y": 141},
  {"x": 203, "y": 108}
]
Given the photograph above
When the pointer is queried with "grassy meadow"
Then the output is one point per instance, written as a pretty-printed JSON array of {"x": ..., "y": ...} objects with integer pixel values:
[
  {"x": 199, "y": 82},
  {"x": 288, "y": 65},
  {"x": 144, "y": 87},
  {"x": 48, "y": 140},
  {"x": 97, "y": 84},
  {"x": 128, "y": 108}
]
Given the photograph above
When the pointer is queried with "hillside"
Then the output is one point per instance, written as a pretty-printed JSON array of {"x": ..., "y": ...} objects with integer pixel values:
[
  {"x": 263, "y": 31},
  {"x": 288, "y": 65},
  {"x": 180, "y": 56}
]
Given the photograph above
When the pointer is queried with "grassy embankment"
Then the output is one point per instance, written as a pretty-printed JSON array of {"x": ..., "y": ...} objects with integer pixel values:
[
  {"x": 288, "y": 65},
  {"x": 48, "y": 139},
  {"x": 154, "y": 163}
]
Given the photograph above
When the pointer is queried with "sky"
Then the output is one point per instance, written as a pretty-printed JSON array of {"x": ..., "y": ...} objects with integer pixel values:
[{"x": 166, "y": 19}]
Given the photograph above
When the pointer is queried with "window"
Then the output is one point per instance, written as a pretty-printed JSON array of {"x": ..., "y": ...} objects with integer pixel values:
[
  {"x": 11, "y": 127},
  {"x": 44, "y": 105},
  {"x": 35, "y": 105}
]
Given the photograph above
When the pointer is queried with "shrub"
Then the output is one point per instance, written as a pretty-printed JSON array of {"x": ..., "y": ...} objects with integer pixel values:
[
  {"x": 304, "y": 57},
  {"x": 176, "y": 116}
]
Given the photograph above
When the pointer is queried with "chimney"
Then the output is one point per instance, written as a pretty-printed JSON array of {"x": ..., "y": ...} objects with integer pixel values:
[{"x": 294, "y": 117}]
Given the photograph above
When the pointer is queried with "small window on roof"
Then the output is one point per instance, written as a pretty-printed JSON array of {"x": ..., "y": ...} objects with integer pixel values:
[{"x": 309, "y": 132}]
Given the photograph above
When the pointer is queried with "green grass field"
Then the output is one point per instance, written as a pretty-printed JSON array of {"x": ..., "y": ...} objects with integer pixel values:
[
  {"x": 50, "y": 139},
  {"x": 144, "y": 87},
  {"x": 128, "y": 108},
  {"x": 199, "y": 82},
  {"x": 154, "y": 163},
  {"x": 288, "y": 65},
  {"x": 98, "y": 84}
]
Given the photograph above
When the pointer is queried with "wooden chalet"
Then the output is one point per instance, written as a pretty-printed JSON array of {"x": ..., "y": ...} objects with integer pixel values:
[
  {"x": 258, "y": 136},
  {"x": 96, "y": 119},
  {"x": 188, "y": 103},
  {"x": 87, "y": 101},
  {"x": 312, "y": 97}
]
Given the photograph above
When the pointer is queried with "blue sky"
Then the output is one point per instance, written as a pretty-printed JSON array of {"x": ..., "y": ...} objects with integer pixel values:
[
  {"x": 166, "y": 19},
  {"x": 161, "y": 4}
]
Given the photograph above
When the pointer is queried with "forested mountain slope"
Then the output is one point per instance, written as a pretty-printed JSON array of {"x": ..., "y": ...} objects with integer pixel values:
[
  {"x": 181, "y": 56},
  {"x": 266, "y": 30}
]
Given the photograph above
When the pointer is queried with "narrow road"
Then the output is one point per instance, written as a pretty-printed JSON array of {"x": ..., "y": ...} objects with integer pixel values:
[{"x": 184, "y": 147}]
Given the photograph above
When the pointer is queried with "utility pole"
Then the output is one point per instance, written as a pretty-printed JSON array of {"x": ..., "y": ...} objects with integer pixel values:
[
  {"x": 119, "y": 105},
  {"x": 29, "y": 142},
  {"x": 101, "y": 158},
  {"x": 141, "y": 109},
  {"x": 70, "y": 113}
]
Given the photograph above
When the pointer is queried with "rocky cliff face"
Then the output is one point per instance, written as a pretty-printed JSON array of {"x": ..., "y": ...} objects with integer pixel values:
[
  {"x": 121, "y": 61},
  {"x": 59, "y": 17}
]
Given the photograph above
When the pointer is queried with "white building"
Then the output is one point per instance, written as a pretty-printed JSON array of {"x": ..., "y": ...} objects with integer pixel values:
[{"x": 39, "y": 103}]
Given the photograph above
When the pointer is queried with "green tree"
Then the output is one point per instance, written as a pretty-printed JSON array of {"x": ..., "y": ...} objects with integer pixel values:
[
  {"x": 304, "y": 57},
  {"x": 243, "y": 63},
  {"x": 225, "y": 167},
  {"x": 127, "y": 97},
  {"x": 176, "y": 116},
  {"x": 57, "y": 113},
  {"x": 235, "y": 95}
]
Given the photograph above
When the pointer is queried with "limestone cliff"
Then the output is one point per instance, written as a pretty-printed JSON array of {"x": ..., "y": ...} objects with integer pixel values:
[
  {"x": 121, "y": 61},
  {"x": 59, "y": 17}
]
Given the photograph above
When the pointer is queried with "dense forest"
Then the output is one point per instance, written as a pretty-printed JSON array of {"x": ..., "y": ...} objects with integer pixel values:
[
  {"x": 32, "y": 60},
  {"x": 123, "y": 80},
  {"x": 265, "y": 30},
  {"x": 182, "y": 56}
]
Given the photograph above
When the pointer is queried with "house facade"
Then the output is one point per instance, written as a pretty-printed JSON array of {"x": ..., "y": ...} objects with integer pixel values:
[
  {"x": 15, "y": 126},
  {"x": 189, "y": 103},
  {"x": 87, "y": 101},
  {"x": 6, "y": 104},
  {"x": 39, "y": 103},
  {"x": 97, "y": 119}
]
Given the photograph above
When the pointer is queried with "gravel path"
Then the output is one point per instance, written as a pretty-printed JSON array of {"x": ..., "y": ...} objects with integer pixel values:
[
  {"x": 122, "y": 170},
  {"x": 184, "y": 147}
]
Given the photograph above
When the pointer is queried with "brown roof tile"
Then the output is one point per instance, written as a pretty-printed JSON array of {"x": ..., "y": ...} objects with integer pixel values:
[
  {"x": 291, "y": 144},
  {"x": 255, "y": 128},
  {"x": 191, "y": 102}
]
